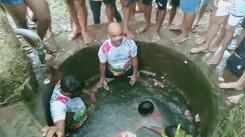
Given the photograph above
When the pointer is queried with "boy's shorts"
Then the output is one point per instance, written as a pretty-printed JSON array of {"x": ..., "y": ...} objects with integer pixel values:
[
  {"x": 130, "y": 2},
  {"x": 110, "y": 74},
  {"x": 175, "y": 3},
  {"x": 235, "y": 20},
  {"x": 161, "y": 4},
  {"x": 109, "y": 2},
  {"x": 190, "y": 6},
  {"x": 223, "y": 8},
  {"x": 237, "y": 12},
  {"x": 12, "y": 2}
]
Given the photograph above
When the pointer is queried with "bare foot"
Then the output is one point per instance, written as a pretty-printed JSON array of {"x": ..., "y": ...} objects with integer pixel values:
[
  {"x": 74, "y": 35},
  {"x": 200, "y": 40},
  {"x": 180, "y": 39},
  {"x": 176, "y": 27},
  {"x": 143, "y": 29},
  {"x": 215, "y": 59},
  {"x": 87, "y": 37},
  {"x": 156, "y": 37},
  {"x": 235, "y": 99},
  {"x": 200, "y": 49},
  {"x": 129, "y": 34},
  {"x": 231, "y": 85}
]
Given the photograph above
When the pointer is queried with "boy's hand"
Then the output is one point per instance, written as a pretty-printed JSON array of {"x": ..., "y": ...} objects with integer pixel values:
[
  {"x": 133, "y": 79},
  {"x": 52, "y": 132},
  {"x": 103, "y": 84},
  {"x": 93, "y": 98}
]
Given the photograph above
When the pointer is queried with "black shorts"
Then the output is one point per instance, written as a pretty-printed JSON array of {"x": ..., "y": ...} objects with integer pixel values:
[
  {"x": 109, "y": 74},
  {"x": 109, "y": 2},
  {"x": 130, "y": 2},
  {"x": 161, "y": 4},
  {"x": 175, "y": 3}
]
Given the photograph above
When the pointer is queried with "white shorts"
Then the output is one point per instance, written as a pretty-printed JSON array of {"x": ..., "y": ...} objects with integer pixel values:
[
  {"x": 234, "y": 21},
  {"x": 223, "y": 8}
]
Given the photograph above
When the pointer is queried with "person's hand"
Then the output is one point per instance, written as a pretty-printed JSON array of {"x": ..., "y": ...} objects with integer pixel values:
[
  {"x": 133, "y": 79},
  {"x": 103, "y": 84},
  {"x": 93, "y": 98},
  {"x": 52, "y": 132}
]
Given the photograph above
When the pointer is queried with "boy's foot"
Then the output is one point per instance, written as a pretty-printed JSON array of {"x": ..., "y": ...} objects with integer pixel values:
[
  {"x": 87, "y": 37},
  {"x": 74, "y": 35},
  {"x": 143, "y": 29},
  {"x": 200, "y": 49},
  {"x": 156, "y": 37},
  {"x": 231, "y": 85},
  {"x": 215, "y": 59},
  {"x": 175, "y": 27},
  {"x": 234, "y": 99},
  {"x": 200, "y": 40},
  {"x": 180, "y": 39},
  {"x": 129, "y": 34}
]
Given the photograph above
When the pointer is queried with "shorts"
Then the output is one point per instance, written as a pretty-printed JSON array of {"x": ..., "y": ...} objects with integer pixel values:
[
  {"x": 161, "y": 4},
  {"x": 223, "y": 8},
  {"x": 109, "y": 2},
  {"x": 190, "y": 6},
  {"x": 109, "y": 74},
  {"x": 12, "y": 2},
  {"x": 234, "y": 20},
  {"x": 130, "y": 2},
  {"x": 175, "y": 3}
]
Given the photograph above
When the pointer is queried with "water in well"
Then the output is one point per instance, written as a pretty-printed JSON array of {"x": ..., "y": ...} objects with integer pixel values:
[{"x": 177, "y": 88}]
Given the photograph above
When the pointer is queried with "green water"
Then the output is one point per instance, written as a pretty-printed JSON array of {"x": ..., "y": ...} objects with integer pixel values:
[
  {"x": 116, "y": 110},
  {"x": 188, "y": 87}
]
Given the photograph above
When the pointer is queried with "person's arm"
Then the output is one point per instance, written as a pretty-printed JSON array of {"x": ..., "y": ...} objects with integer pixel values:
[
  {"x": 157, "y": 130},
  {"x": 60, "y": 125}
]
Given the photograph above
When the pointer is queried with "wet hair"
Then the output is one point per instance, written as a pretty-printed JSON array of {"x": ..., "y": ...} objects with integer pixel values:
[
  {"x": 145, "y": 108},
  {"x": 71, "y": 84}
]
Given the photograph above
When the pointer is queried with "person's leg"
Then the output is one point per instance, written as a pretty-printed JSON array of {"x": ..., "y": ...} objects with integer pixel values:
[
  {"x": 41, "y": 11},
  {"x": 18, "y": 12},
  {"x": 172, "y": 12},
  {"x": 76, "y": 30},
  {"x": 109, "y": 10},
  {"x": 147, "y": 15},
  {"x": 82, "y": 17},
  {"x": 116, "y": 13},
  {"x": 162, "y": 5},
  {"x": 189, "y": 8},
  {"x": 211, "y": 34},
  {"x": 127, "y": 4},
  {"x": 237, "y": 85},
  {"x": 96, "y": 10},
  {"x": 229, "y": 30},
  {"x": 201, "y": 12},
  {"x": 187, "y": 27}
]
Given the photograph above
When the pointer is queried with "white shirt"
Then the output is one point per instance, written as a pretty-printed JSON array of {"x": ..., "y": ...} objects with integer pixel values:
[
  {"x": 119, "y": 57},
  {"x": 60, "y": 104}
]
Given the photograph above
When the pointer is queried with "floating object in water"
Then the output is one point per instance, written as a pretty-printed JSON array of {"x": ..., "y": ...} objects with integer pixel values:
[
  {"x": 126, "y": 134},
  {"x": 145, "y": 108},
  {"x": 186, "y": 62}
]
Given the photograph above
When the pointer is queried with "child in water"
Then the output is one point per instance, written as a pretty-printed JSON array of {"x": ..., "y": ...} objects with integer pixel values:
[
  {"x": 65, "y": 98},
  {"x": 117, "y": 57}
]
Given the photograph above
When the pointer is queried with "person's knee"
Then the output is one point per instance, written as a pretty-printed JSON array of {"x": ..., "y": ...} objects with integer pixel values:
[{"x": 44, "y": 19}]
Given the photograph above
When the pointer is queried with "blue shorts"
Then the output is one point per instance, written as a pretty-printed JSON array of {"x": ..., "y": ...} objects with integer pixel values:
[
  {"x": 12, "y": 2},
  {"x": 190, "y": 6},
  {"x": 161, "y": 4}
]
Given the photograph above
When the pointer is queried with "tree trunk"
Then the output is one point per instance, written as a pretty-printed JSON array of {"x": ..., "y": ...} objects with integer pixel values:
[{"x": 15, "y": 72}]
